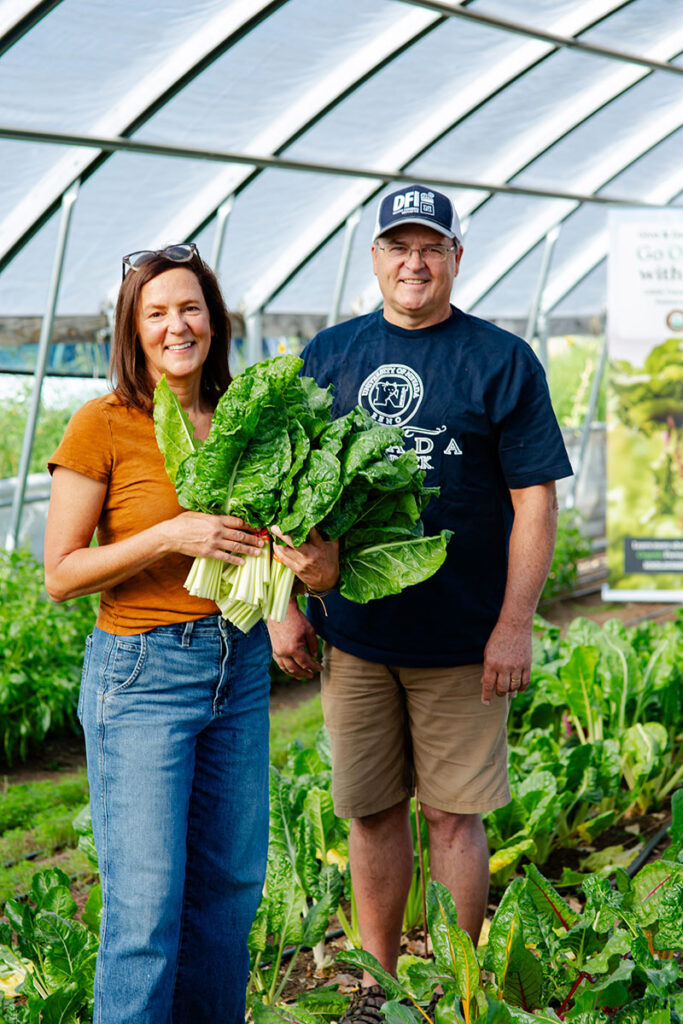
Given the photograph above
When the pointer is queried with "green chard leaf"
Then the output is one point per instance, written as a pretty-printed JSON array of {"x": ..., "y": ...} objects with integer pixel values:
[
  {"x": 676, "y": 828},
  {"x": 174, "y": 432},
  {"x": 384, "y": 569},
  {"x": 361, "y": 959},
  {"x": 453, "y": 948},
  {"x": 317, "y": 488},
  {"x": 548, "y": 901},
  {"x": 519, "y": 975}
]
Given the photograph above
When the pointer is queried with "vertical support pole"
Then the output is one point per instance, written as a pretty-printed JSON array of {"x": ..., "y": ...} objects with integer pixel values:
[
  {"x": 222, "y": 216},
  {"x": 570, "y": 501},
  {"x": 532, "y": 322},
  {"x": 351, "y": 226},
  {"x": 68, "y": 201},
  {"x": 542, "y": 335},
  {"x": 254, "y": 330}
]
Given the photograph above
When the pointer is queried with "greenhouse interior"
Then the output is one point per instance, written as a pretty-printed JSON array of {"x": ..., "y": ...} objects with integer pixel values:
[{"x": 265, "y": 136}]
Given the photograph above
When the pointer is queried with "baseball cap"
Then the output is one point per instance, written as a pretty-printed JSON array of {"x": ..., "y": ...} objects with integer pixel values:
[{"x": 418, "y": 204}]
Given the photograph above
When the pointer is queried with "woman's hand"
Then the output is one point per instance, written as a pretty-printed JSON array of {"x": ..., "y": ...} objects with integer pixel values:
[
  {"x": 206, "y": 536},
  {"x": 73, "y": 568},
  {"x": 315, "y": 562}
]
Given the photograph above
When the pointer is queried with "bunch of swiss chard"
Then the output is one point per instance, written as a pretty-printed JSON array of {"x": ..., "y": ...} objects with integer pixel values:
[{"x": 275, "y": 456}]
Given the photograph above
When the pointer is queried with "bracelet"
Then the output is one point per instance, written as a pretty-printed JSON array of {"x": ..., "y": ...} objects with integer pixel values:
[{"x": 318, "y": 595}]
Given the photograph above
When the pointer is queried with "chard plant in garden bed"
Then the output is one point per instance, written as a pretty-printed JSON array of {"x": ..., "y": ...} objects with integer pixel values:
[
  {"x": 598, "y": 735},
  {"x": 615, "y": 960}
]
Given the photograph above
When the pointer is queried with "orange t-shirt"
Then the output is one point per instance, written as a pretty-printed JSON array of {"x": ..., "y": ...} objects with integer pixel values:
[{"x": 110, "y": 441}]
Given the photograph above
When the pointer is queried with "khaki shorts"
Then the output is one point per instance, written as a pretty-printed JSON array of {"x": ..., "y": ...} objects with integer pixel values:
[{"x": 392, "y": 729}]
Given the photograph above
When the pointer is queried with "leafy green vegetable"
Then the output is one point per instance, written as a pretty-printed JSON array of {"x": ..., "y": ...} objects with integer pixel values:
[
  {"x": 174, "y": 432},
  {"x": 383, "y": 569},
  {"x": 274, "y": 456}
]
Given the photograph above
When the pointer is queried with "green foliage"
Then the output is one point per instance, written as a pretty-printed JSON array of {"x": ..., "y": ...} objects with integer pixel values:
[
  {"x": 173, "y": 429},
  {"x": 25, "y": 804},
  {"x": 598, "y": 732},
  {"x": 303, "y": 881},
  {"x": 50, "y": 955},
  {"x": 545, "y": 961},
  {"x": 36, "y": 819},
  {"x": 570, "y": 376},
  {"x": 299, "y": 724},
  {"x": 41, "y": 654},
  {"x": 49, "y": 431}
]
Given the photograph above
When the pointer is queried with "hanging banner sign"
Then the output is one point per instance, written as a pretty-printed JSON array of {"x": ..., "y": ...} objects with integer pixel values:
[{"x": 645, "y": 406}]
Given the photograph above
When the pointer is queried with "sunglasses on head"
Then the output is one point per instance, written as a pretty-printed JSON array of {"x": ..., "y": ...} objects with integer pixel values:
[{"x": 183, "y": 253}]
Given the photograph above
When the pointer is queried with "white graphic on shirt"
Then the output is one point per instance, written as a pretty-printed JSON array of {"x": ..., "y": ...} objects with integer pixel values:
[
  {"x": 412, "y": 431},
  {"x": 391, "y": 394}
]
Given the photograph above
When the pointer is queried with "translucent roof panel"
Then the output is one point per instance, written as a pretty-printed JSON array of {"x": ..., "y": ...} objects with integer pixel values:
[
  {"x": 86, "y": 43},
  {"x": 373, "y": 88}
]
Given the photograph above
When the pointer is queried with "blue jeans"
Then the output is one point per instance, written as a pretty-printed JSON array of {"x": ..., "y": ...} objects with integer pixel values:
[{"x": 176, "y": 729}]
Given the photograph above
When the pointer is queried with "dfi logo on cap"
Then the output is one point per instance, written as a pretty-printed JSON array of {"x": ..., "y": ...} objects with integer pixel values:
[{"x": 414, "y": 202}]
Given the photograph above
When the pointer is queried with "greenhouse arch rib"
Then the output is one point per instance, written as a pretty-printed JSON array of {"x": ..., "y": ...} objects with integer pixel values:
[
  {"x": 555, "y": 126},
  {"x": 331, "y": 89},
  {"x": 17, "y": 18},
  {"x": 455, "y": 10},
  {"x": 425, "y": 134},
  {"x": 618, "y": 159},
  {"x": 132, "y": 110},
  {"x": 596, "y": 248}
]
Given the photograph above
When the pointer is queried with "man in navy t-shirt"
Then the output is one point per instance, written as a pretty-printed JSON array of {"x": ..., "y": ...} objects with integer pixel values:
[{"x": 415, "y": 686}]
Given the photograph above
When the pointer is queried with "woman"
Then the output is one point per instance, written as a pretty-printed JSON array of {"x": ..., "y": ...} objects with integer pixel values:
[{"x": 174, "y": 699}]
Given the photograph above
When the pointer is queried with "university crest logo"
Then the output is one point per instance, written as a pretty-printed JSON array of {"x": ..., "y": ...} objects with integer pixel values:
[{"x": 391, "y": 394}]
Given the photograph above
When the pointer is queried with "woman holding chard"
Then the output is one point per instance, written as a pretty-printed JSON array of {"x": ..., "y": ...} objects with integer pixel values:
[{"x": 174, "y": 699}]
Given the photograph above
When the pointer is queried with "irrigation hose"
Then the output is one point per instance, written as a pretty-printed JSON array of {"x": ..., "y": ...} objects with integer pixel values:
[{"x": 642, "y": 857}]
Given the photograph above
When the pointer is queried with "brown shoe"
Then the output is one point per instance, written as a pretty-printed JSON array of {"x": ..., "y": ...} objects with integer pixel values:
[{"x": 365, "y": 1007}]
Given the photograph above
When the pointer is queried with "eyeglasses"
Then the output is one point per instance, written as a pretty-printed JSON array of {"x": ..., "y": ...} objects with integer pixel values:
[
  {"x": 427, "y": 253},
  {"x": 183, "y": 253}
]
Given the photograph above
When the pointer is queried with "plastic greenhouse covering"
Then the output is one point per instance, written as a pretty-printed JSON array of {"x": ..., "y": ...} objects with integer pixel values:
[{"x": 265, "y": 131}]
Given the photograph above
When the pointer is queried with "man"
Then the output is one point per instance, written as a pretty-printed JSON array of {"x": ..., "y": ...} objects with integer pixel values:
[{"x": 416, "y": 686}]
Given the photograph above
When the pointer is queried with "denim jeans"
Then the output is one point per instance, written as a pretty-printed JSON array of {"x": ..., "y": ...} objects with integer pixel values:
[{"x": 176, "y": 729}]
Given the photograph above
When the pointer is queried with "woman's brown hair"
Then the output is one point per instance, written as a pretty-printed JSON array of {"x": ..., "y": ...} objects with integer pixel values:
[{"x": 128, "y": 369}]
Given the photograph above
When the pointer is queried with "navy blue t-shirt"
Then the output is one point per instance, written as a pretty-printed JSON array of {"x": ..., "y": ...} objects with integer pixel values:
[{"x": 473, "y": 401}]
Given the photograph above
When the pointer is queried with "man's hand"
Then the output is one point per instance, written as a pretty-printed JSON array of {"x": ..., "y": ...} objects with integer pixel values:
[
  {"x": 315, "y": 562},
  {"x": 295, "y": 644},
  {"x": 507, "y": 661}
]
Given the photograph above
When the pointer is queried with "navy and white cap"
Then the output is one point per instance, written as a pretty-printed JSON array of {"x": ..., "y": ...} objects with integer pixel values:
[{"x": 418, "y": 204}]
